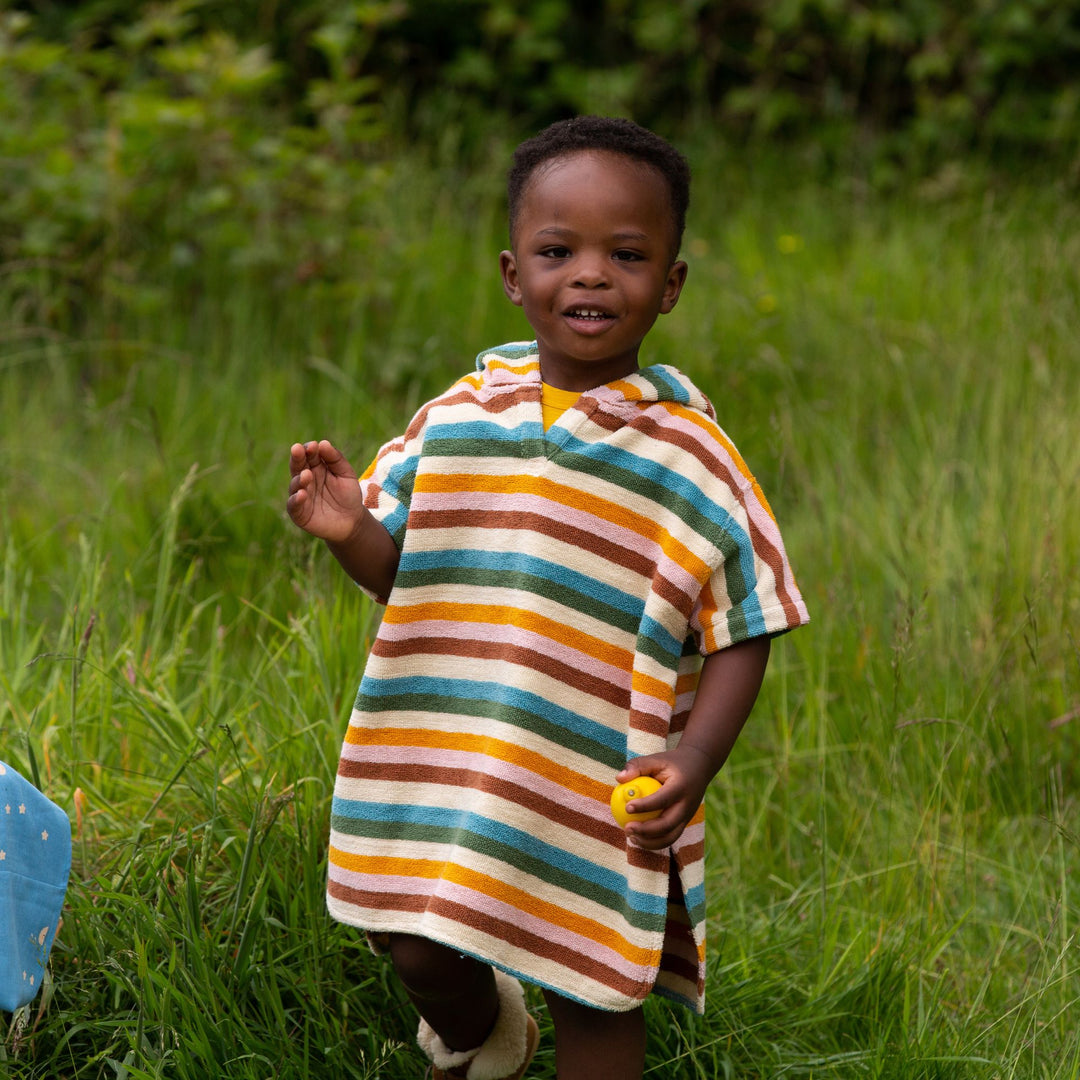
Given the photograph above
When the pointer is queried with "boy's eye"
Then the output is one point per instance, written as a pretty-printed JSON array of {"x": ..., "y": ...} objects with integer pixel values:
[
  {"x": 555, "y": 252},
  {"x": 627, "y": 256}
]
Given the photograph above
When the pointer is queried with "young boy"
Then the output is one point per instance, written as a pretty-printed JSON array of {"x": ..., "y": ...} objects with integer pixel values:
[{"x": 559, "y": 539}]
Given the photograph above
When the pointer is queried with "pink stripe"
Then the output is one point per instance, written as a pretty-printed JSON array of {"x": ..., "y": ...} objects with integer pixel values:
[
  {"x": 479, "y": 901},
  {"x": 484, "y": 765},
  {"x": 528, "y": 502},
  {"x": 506, "y": 634}
]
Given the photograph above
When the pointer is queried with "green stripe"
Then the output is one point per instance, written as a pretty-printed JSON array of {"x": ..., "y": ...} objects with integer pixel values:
[
  {"x": 511, "y": 449},
  {"x": 491, "y": 848},
  {"x": 529, "y": 721},
  {"x": 523, "y": 582}
]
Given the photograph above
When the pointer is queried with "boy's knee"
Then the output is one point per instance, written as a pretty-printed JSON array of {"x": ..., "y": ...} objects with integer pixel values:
[{"x": 430, "y": 970}]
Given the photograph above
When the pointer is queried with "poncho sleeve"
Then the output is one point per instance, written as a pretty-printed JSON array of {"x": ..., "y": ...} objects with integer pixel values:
[
  {"x": 752, "y": 591},
  {"x": 387, "y": 483}
]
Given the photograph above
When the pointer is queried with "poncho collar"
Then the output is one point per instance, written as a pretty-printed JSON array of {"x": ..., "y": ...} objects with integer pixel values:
[{"x": 517, "y": 364}]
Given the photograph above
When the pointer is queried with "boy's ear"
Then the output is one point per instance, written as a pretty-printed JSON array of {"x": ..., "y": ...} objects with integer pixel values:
[
  {"x": 508, "y": 269},
  {"x": 676, "y": 279}
]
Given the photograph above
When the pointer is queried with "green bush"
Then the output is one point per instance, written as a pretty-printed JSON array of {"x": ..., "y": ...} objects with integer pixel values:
[
  {"x": 155, "y": 148},
  {"x": 151, "y": 142}
]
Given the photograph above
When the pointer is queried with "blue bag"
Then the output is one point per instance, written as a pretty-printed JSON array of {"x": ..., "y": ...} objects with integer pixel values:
[{"x": 35, "y": 862}]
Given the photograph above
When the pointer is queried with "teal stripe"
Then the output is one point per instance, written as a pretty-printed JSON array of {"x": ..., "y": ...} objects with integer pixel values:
[
  {"x": 495, "y": 701},
  {"x": 395, "y": 523},
  {"x": 518, "y": 562},
  {"x": 668, "y": 387},
  {"x": 523, "y": 851},
  {"x": 517, "y": 570},
  {"x": 475, "y": 432},
  {"x": 399, "y": 479},
  {"x": 691, "y": 505},
  {"x": 514, "y": 579},
  {"x": 507, "y": 352}
]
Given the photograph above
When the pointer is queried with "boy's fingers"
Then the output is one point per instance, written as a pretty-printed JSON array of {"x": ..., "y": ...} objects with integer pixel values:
[
  {"x": 656, "y": 834},
  {"x": 641, "y": 766},
  {"x": 647, "y": 803}
]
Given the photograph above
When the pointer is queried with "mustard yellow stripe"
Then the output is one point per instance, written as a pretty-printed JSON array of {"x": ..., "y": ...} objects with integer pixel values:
[
  {"x": 707, "y": 612},
  {"x": 628, "y": 390},
  {"x": 687, "y": 682},
  {"x": 498, "y": 890},
  {"x": 456, "y": 483},
  {"x": 517, "y": 369},
  {"x": 646, "y": 684},
  {"x": 512, "y": 754}
]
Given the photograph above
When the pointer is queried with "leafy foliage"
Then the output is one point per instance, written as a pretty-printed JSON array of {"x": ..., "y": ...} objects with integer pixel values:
[
  {"x": 162, "y": 146},
  {"x": 144, "y": 141}
]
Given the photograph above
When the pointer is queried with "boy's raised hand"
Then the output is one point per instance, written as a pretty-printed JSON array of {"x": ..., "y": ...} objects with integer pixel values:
[{"x": 324, "y": 495}]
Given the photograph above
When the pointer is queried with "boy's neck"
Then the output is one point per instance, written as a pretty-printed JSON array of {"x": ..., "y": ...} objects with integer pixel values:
[{"x": 581, "y": 378}]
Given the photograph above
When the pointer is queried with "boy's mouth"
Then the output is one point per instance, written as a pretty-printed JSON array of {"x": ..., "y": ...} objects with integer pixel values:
[{"x": 588, "y": 314}]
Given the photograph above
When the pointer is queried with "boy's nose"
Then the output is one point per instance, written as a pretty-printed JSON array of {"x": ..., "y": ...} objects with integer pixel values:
[{"x": 590, "y": 273}]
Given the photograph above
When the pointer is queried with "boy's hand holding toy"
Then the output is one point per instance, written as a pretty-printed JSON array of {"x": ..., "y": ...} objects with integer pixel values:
[{"x": 671, "y": 787}]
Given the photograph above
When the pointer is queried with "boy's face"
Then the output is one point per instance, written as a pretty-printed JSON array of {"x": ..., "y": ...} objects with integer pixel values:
[{"x": 592, "y": 264}]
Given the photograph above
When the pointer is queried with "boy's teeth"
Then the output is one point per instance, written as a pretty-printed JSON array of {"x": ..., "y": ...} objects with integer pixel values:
[{"x": 581, "y": 313}]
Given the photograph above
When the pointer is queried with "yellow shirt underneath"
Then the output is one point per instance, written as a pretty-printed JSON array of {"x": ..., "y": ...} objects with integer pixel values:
[{"x": 554, "y": 402}]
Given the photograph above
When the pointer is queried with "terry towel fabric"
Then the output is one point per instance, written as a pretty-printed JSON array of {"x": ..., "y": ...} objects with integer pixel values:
[{"x": 555, "y": 595}]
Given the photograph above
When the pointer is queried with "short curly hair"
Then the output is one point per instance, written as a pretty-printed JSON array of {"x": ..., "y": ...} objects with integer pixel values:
[{"x": 613, "y": 134}]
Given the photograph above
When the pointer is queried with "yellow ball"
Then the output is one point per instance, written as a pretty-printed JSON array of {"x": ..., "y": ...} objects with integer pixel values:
[{"x": 638, "y": 788}]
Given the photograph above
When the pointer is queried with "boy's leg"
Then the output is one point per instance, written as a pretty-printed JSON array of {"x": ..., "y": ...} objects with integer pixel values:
[
  {"x": 455, "y": 994},
  {"x": 592, "y": 1044}
]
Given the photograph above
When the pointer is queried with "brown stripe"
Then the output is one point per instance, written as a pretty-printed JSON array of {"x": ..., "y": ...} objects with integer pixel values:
[
  {"x": 648, "y": 723},
  {"x": 493, "y": 404},
  {"x": 472, "y": 649},
  {"x": 616, "y": 554},
  {"x": 656, "y": 861},
  {"x": 498, "y": 928},
  {"x": 680, "y": 966},
  {"x": 487, "y": 519},
  {"x": 597, "y": 829},
  {"x": 691, "y": 853}
]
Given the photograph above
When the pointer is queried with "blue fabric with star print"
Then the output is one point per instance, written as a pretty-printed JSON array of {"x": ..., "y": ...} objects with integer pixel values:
[{"x": 35, "y": 862}]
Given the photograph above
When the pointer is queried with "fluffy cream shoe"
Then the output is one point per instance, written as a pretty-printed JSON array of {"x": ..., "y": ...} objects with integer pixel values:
[{"x": 504, "y": 1054}]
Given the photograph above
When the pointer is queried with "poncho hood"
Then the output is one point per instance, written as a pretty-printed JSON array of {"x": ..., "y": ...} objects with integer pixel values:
[{"x": 518, "y": 363}]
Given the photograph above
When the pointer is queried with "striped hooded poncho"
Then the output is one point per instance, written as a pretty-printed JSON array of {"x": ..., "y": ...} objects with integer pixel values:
[{"x": 555, "y": 595}]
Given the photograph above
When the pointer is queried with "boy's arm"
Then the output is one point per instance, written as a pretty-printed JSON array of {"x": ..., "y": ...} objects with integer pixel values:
[
  {"x": 727, "y": 689},
  {"x": 325, "y": 500}
]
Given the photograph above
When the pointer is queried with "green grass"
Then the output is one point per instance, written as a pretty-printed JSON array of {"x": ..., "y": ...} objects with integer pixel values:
[{"x": 893, "y": 848}]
